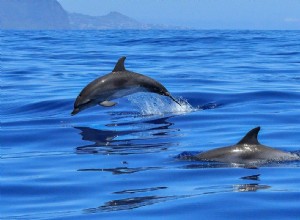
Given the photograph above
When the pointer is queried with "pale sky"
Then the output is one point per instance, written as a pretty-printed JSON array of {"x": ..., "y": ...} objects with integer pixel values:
[{"x": 203, "y": 14}]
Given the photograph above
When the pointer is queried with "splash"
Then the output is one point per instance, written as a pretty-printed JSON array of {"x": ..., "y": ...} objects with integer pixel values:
[{"x": 152, "y": 104}]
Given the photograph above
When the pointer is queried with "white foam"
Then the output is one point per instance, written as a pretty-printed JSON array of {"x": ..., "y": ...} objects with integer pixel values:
[{"x": 153, "y": 104}]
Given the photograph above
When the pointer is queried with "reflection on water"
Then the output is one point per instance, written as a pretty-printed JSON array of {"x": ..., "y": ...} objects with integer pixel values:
[
  {"x": 136, "y": 201},
  {"x": 130, "y": 203},
  {"x": 134, "y": 138},
  {"x": 146, "y": 136},
  {"x": 121, "y": 170},
  {"x": 132, "y": 191},
  {"x": 252, "y": 177},
  {"x": 249, "y": 187}
]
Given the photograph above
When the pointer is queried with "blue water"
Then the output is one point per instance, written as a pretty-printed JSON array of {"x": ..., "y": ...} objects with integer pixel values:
[{"x": 121, "y": 162}]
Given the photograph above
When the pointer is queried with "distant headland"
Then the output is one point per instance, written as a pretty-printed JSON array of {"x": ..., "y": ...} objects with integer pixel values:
[{"x": 50, "y": 15}]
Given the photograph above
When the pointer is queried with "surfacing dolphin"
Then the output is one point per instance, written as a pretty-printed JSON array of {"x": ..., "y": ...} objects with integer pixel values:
[
  {"x": 247, "y": 151},
  {"x": 120, "y": 82}
]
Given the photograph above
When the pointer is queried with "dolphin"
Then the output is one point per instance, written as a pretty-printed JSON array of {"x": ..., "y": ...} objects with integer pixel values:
[
  {"x": 247, "y": 151},
  {"x": 120, "y": 82}
]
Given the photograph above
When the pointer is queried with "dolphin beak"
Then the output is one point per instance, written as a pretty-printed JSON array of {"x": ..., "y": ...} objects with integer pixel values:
[{"x": 75, "y": 111}]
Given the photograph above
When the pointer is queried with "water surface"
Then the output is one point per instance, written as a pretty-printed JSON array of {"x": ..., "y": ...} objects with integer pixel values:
[{"x": 120, "y": 162}]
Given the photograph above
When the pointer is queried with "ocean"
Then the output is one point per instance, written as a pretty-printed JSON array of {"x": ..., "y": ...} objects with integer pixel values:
[{"x": 122, "y": 162}]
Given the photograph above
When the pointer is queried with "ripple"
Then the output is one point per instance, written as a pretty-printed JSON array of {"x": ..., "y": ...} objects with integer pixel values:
[
  {"x": 120, "y": 170},
  {"x": 132, "y": 191},
  {"x": 130, "y": 203}
]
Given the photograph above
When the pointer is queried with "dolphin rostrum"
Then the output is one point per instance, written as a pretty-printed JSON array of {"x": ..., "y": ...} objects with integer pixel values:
[
  {"x": 247, "y": 151},
  {"x": 120, "y": 82}
]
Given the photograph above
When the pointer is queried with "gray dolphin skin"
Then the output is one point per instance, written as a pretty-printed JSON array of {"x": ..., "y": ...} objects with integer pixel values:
[
  {"x": 120, "y": 82},
  {"x": 248, "y": 150}
]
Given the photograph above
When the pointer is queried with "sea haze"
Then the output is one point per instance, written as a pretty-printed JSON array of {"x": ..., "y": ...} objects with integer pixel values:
[{"x": 120, "y": 162}]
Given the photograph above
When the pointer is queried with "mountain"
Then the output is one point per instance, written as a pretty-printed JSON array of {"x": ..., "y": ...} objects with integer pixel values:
[
  {"x": 49, "y": 15},
  {"x": 32, "y": 15},
  {"x": 113, "y": 20}
]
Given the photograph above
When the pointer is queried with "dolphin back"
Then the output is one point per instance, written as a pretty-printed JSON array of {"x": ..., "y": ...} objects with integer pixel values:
[{"x": 247, "y": 150}]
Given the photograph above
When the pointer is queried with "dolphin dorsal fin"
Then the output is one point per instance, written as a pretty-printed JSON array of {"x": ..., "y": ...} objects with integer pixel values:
[
  {"x": 250, "y": 137},
  {"x": 120, "y": 65}
]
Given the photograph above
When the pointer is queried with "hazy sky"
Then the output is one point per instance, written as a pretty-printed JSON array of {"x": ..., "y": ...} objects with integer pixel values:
[{"x": 204, "y": 14}]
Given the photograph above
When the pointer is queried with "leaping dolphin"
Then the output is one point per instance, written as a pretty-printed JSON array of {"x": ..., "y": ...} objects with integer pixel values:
[
  {"x": 120, "y": 82},
  {"x": 248, "y": 150}
]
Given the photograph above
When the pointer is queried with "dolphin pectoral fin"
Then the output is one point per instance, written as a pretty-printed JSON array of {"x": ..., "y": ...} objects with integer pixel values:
[{"x": 107, "y": 103}]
